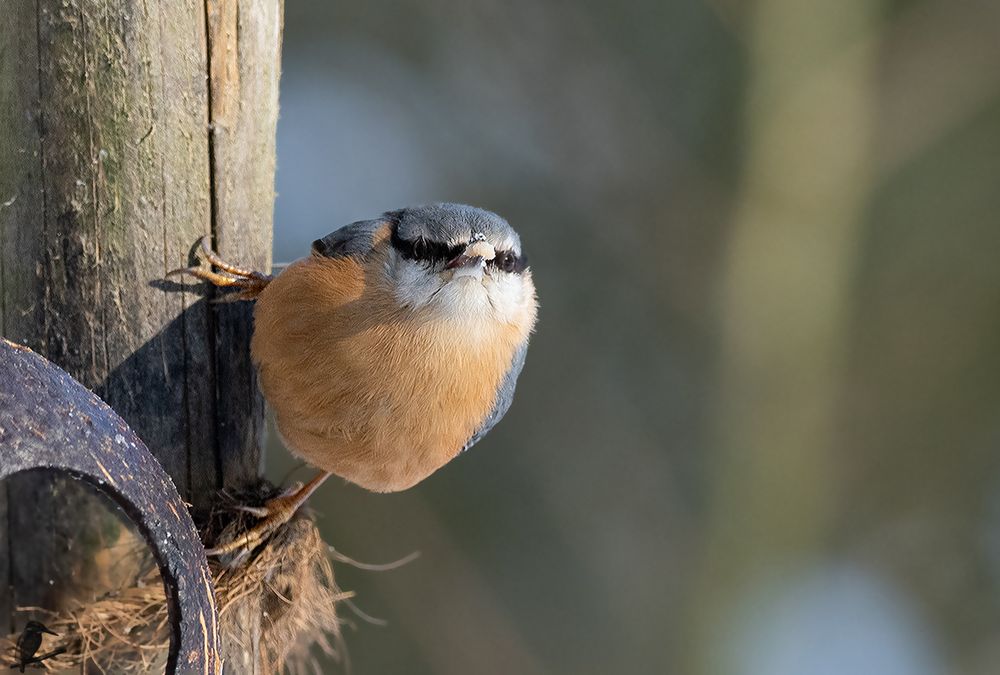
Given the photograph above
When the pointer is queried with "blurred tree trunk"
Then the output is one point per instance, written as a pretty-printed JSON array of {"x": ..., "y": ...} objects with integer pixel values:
[
  {"x": 786, "y": 305},
  {"x": 128, "y": 130}
]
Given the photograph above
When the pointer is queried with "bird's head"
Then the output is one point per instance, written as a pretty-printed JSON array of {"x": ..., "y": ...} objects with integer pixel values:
[
  {"x": 37, "y": 627},
  {"x": 459, "y": 261}
]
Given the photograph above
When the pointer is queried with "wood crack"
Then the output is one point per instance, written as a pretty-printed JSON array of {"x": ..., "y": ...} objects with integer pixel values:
[{"x": 45, "y": 263}]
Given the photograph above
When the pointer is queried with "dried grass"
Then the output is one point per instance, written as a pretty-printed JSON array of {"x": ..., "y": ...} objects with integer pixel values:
[{"x": 276, "y": 605}]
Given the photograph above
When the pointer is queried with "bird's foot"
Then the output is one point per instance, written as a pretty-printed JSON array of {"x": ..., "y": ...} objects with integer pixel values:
[
  {"x": 249, "y": 282},
  {"x": 273, "y": 514}
]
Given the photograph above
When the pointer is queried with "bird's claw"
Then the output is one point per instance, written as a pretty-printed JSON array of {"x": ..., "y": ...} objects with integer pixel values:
[
  {"x": 249, "y": 282},
  {"x": 273, "y": 514},
  {"x": 258, "y": 511}
]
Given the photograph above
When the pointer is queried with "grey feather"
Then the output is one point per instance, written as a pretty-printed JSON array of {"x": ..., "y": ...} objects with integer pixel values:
[
  {"x": 454, "y": 224},
  {"x": 505, "y": 396},
  {"x": 446, "y": 223},
  {"x": 351, "y": 240}
]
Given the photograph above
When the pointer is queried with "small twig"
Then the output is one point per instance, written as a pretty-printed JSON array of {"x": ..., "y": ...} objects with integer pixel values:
[{"x": 38, "y": 659}]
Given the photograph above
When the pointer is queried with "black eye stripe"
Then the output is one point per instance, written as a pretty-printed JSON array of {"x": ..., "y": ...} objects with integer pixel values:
[
  {"x": 423, "y": 249},
  {"x": 432, "y": 252}
]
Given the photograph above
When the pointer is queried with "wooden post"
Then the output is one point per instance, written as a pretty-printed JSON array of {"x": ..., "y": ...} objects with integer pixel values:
[{"x": 127, "y": 130}]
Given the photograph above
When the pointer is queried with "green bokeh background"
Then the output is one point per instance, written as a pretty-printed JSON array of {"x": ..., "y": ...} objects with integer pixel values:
[{"x": 759, "y": 426}]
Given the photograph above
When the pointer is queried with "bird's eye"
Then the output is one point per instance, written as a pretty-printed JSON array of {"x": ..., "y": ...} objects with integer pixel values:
[
  {"x": 507, "y": 261},
  {"x": 421, "y": 249}
]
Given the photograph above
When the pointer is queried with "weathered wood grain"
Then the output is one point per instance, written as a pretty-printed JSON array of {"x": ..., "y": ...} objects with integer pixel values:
[
  {"x": 129, "y": 129},
  {"x": 244, "y": 39}
]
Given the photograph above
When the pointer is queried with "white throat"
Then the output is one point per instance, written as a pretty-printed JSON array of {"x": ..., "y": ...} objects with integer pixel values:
[{"x": 468, "y": 293}]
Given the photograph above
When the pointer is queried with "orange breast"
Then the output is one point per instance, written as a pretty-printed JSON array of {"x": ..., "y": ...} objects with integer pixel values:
[{"x": 377, "y": 394}]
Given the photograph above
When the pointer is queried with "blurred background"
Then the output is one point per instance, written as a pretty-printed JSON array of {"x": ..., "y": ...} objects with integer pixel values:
[{"x": 758, "y": 432}]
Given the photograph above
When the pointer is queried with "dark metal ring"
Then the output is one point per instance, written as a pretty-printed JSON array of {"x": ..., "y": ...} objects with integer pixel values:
[{"x": 48, "y": 420}]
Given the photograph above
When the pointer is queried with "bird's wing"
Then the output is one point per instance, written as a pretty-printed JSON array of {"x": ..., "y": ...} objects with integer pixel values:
[
  {"x": 505, "y": 396},
  {"x": 351, "y": 240}
]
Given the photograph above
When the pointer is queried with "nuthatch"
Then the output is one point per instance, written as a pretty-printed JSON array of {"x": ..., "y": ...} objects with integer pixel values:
[{"x": 392, "y": 348}]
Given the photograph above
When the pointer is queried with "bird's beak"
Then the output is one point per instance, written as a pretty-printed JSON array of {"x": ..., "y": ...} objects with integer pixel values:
[
  {"x": 474, "y": 254},
  {"x": 46, "y": 630}
]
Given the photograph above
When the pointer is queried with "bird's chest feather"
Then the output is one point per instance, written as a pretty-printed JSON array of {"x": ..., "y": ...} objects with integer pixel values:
[
  {"x": 366, "y": 389},
  {"x": 428, "y": 378}
]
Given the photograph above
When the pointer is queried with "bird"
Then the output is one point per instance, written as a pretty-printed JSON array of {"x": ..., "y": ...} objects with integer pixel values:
[
  {"x": 29, "y": 641},
  {"x": 392, "y": 348}
]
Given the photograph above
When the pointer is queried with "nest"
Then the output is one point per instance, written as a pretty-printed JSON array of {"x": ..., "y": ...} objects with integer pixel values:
[{"x": 276, "y": 605}]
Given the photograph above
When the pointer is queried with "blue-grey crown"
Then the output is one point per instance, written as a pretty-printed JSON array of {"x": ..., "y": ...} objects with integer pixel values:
[{"x": 453, "y": 224}]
